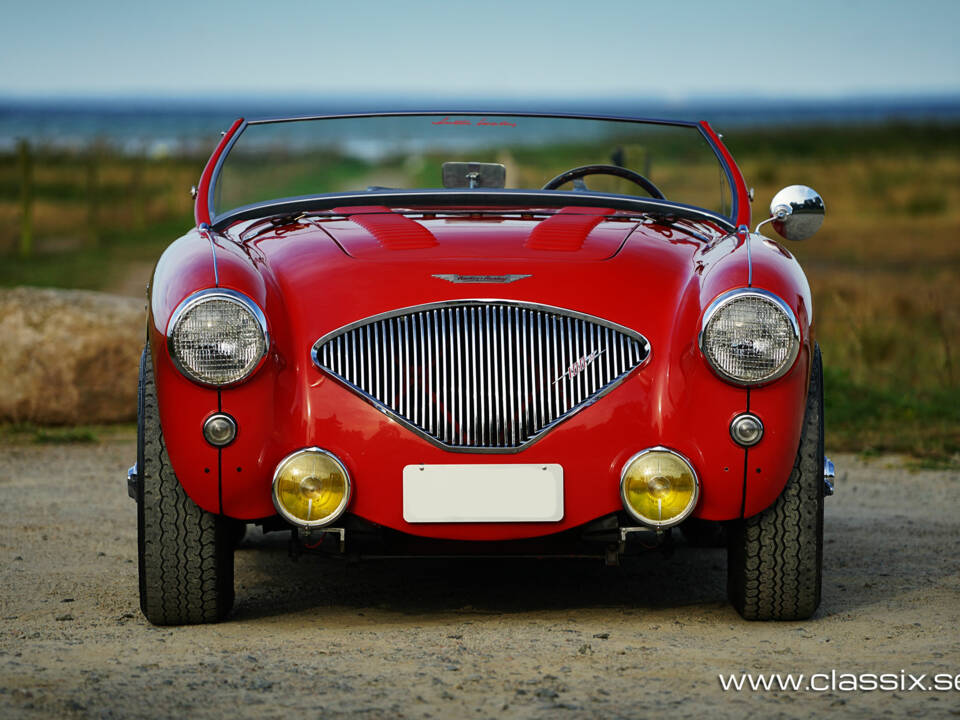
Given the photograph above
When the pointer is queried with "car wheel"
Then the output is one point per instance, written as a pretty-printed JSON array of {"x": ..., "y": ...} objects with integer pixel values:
[
  {"x": 185, "y": 553},
  {"x": 775, "y": 558}
]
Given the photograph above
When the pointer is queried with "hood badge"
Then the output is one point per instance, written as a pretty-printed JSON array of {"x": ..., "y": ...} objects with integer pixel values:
[
  {"x": 480, "y": 278},
  {"x": 579, "y": 365}
]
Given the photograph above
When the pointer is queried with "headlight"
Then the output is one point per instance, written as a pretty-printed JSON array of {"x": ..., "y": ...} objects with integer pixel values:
[
  {"x": 217, "y": 337},
  {"x": 659, "y": 487},
  {"x": 750, "y": 336},
  {"x": 311, "y": 487}
]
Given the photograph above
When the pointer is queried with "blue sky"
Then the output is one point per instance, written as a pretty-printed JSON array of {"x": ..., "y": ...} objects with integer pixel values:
[{"x": 504, "y": 48}]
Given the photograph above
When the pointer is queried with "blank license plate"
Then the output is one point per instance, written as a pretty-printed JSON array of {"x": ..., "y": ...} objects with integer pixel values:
[{"x": 482, "y": 493}]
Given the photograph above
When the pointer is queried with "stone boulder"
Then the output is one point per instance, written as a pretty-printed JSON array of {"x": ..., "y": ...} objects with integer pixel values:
[{"x": 69, "y": 356}]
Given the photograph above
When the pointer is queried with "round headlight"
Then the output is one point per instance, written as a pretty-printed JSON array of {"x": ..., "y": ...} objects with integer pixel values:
[
  {"x": 659, "y": 487},
  {"x": 311, "y": 487},
  {"x": 750, "y": 337},
  {"x": 217, "y": 337}
]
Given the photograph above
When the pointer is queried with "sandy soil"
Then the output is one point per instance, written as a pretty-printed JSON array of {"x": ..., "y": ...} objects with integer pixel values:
[{"x": 428, "y": 639}]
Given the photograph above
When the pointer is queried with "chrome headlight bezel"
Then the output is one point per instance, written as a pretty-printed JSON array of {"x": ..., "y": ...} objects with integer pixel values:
[
  {"x": 208, "y": 295},
  {"x": 726, "y": 299}
]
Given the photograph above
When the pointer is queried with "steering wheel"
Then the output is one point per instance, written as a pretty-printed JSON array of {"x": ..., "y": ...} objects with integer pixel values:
[{"x": 579, "y": 172}]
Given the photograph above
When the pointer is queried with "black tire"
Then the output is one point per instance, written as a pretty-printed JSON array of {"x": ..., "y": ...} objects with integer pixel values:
[
  {"x": 775, "y": 558},
  {"x": 185, "y": 553}
]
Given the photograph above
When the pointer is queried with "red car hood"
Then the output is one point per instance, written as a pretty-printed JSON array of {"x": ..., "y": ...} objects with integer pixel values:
[
  {"x": 573, "y": 233},
  {"x": 347, "y": 268}
]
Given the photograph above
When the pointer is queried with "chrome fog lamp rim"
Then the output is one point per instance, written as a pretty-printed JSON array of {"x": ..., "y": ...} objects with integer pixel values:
[
  {"x": 740, "y": 429},
  {"x": 730, "y": 296},
  {"x": 293, "y": 519},
  {"x": 212, "y": 427},
  {"x": 202, "y": 296},
  {"x": 694, "y": 497}
]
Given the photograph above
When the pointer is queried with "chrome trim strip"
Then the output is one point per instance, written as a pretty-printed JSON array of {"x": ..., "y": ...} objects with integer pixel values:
[
  {"x": 335, "y": 515},
  {"x": 506, "y": 420},
  {"x": 673, "y": 521},
  {"x": 204, "y": 229},
  {"x": 220, "y": 294},
  {"x": 729, "y": 296},
  {"x": 744, "y": 232}
]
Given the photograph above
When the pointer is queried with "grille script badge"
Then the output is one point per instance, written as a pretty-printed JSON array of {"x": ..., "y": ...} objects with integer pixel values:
[
  {"x": 481, "y": 278},
  {"x": 579, "y": 365}
]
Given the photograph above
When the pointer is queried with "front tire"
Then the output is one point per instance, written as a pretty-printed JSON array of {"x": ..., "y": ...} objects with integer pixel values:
[
  {"x": 775, "y": 558},
  {"x": 185, "y": 553}
]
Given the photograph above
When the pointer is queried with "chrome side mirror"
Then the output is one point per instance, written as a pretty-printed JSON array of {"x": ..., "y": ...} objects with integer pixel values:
[{"x": 796, "y": 212}]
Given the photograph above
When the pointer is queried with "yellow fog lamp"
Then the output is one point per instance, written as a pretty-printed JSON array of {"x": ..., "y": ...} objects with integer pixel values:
[
  {"x": 311, "y": 487},
  {"x": 659, "y": 487}
]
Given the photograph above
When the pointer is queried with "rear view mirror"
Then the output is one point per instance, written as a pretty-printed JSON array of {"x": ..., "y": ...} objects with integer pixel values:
[
  {"x": 474, "y": 175},
  {"x": 796, "y": 212}
]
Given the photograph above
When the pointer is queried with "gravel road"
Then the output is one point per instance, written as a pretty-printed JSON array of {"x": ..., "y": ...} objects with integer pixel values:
[{"x": 428, "y": 639}]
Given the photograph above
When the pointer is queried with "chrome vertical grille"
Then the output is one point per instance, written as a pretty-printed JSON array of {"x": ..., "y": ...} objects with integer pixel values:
[{"x": 481, "y": 376}]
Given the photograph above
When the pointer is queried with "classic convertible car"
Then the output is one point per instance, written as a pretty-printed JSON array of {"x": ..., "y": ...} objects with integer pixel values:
[{"x": 465, "y": 334}]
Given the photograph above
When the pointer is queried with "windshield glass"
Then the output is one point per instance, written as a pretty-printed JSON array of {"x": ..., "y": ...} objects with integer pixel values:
[{"x": 271, "y": 160}]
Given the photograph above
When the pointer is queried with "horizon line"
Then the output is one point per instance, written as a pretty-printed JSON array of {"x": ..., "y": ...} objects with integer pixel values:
[{"x": 407, "y": 97}]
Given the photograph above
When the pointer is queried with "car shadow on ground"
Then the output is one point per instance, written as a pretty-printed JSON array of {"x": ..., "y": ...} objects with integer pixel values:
[
  {"x": 863, "y": 565},
  {"x": 269, "y": 583}
]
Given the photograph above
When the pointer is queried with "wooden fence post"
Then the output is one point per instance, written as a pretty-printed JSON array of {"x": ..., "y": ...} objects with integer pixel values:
[{"x": 26, "y": 199}]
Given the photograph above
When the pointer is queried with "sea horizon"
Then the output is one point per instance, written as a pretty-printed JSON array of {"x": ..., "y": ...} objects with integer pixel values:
[{"x": 160, "y": 124}]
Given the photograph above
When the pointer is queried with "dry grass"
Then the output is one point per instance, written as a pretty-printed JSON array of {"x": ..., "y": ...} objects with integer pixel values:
[
  {"x": 885, "y": 268},
  {"x": 885, "y": 273}
]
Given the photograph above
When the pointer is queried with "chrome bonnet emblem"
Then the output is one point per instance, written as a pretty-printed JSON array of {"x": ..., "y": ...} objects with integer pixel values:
[{"x": 480, "y": 278}]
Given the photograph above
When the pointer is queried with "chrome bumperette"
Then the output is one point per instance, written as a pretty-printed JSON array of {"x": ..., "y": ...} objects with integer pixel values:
[
  {"x": 479, "y": 375},
  {"x": 829, "y": 475},
  {"x": 133, "y": 481}
]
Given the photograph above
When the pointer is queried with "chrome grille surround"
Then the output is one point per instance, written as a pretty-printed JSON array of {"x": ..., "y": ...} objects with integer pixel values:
[{"x": 481, "y": 376}]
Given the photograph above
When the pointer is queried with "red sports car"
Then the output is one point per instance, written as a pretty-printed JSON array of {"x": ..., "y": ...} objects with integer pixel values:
[{"x": 462, "y": 334}]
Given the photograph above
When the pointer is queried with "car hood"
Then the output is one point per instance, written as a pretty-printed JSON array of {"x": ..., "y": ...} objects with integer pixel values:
[
  {"x": 376, "y": 233},
  {"x": 329, "y": 272}
]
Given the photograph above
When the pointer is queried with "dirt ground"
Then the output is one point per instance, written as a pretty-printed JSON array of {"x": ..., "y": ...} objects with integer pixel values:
[{"x": 428, "y": 639}]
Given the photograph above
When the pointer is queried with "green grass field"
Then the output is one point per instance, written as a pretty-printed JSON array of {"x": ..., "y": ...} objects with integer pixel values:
[{"x": 885, "y": 268}]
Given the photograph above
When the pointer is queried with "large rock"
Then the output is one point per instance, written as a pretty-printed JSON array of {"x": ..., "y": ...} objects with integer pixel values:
[{"x": 69, "y": 356}]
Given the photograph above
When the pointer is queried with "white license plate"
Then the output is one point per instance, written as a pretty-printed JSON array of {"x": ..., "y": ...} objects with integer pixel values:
[{"x": 482, "y": 493}]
